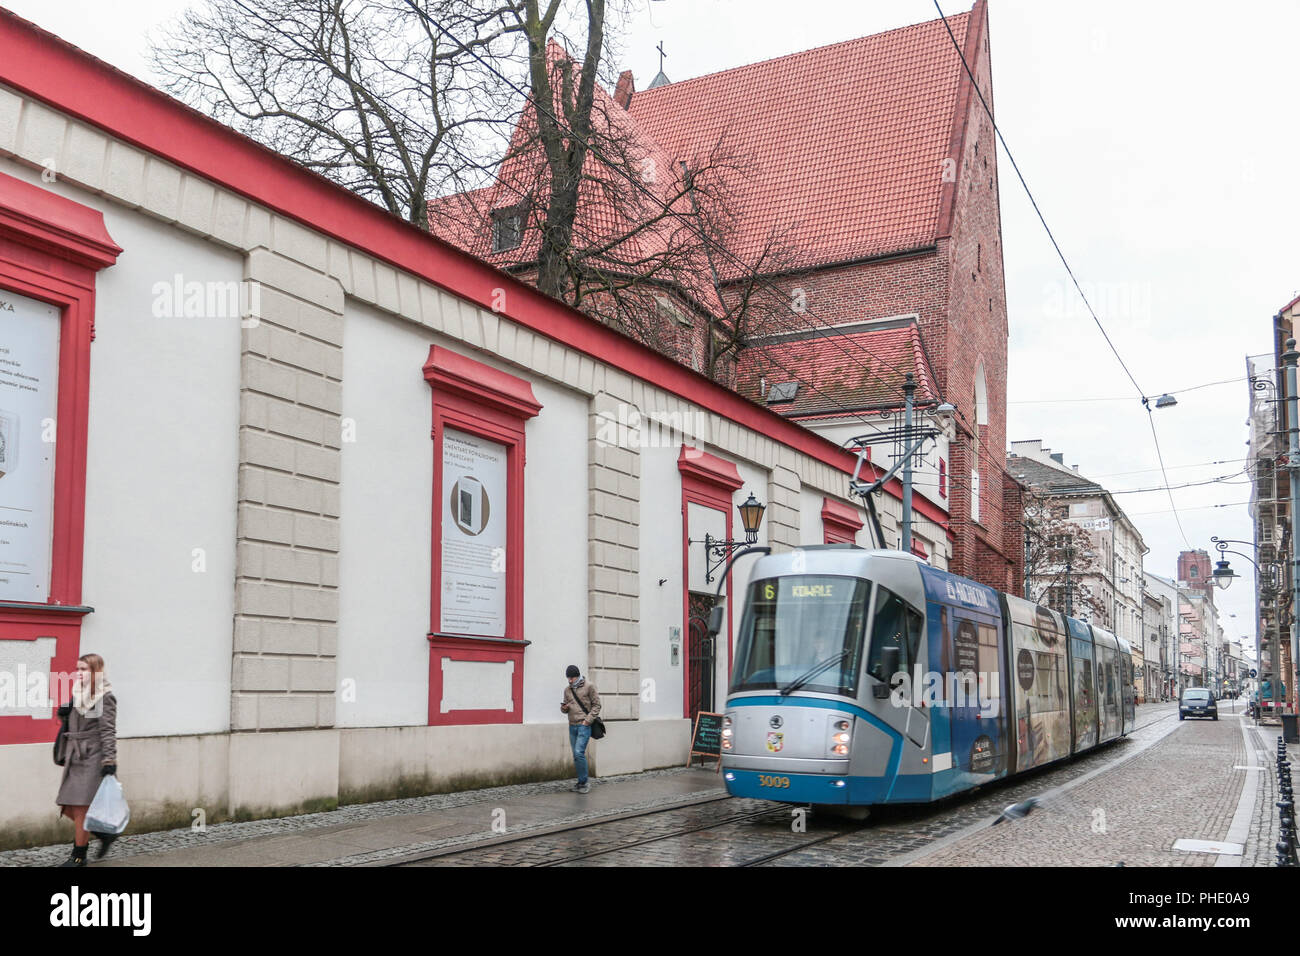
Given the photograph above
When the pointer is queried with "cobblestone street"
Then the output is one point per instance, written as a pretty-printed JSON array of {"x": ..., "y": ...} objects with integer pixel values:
[{"x": 1126, "y": 804}]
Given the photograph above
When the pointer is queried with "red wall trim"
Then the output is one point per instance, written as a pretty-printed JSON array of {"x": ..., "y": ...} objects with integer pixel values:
[
  {"x": 51, "y": 249},
  {"x": 708, "y": 481},
  {"x": 840, "y": 522},
  {"x": 53, "y": 71},
  {"x": 470, "y": 650},
  {"x": 44, "y": 221},
  {"x": 708, "y": 469},
  {"x": 485, "y": 385},
  {"x": 472, "y": 397}
]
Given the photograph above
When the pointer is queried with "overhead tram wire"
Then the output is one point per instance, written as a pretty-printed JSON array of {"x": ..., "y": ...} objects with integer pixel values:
[
  {"x": 997, "y": 130},
  {"x": 703, "y": 236},
  {"x": 1180, "y": 391}
]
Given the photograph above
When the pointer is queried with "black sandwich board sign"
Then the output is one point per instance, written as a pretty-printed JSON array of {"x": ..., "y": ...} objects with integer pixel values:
[{"x": 706, "y": 739}]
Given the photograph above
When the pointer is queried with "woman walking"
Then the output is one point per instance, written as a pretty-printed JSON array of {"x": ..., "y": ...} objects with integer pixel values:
[{"x": 90, "y": 751}]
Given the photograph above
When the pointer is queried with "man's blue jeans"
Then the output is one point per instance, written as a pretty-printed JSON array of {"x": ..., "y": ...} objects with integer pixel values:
[{"x": 579, "y": 734}]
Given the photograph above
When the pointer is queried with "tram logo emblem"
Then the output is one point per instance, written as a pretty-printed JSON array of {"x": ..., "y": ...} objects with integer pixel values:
[
  {"x": 775, "y": 722},
  {"x": 775, "y": 741}
]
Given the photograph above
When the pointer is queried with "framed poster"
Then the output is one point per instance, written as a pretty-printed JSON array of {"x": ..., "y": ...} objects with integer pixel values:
[
  {"x": 474, "y": 526},
  {"x": 29, "y": 395},
  {"x": 476, "y": 632}
]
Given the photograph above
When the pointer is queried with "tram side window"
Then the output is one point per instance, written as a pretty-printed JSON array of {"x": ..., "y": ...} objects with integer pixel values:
[
  {"x": 988, "y": 656},
  {"x": 896, "y": 625}
]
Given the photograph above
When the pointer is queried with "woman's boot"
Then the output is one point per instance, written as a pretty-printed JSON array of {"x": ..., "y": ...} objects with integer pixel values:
[
  {"x": 106, "y": 840},
  {"x": 78, "y": 857}
]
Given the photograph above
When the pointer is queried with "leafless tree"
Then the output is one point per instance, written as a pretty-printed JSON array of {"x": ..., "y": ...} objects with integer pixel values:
[
  {"x": 364, "y": 92},
  {"x": 405, "y": 100},
  {"x": 1053, "y": 542}
]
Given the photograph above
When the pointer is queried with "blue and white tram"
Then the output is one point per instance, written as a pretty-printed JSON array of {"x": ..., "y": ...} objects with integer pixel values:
[{"x": 868, "y": 677}]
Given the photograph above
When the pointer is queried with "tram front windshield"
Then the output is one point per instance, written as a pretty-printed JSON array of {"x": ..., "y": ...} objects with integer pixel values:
[{"x": 803, "y": 630}]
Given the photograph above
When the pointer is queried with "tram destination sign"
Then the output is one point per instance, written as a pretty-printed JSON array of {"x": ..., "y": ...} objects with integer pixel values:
[{"x": 706, "y": 739}]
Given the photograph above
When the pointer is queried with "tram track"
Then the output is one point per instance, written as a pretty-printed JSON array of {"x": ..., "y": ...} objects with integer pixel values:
[
  {"x": 588, "y": 825},
  {"x": 467, "y": 853}
]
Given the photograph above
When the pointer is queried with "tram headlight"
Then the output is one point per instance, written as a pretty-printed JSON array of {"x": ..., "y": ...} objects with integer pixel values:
[
  {"x": 726, "y": 733},
  {"x": 841, "y": 735}
]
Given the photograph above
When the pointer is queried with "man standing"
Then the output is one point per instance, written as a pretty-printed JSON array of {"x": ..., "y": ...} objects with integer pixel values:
[{"x": 582, "y": 704}]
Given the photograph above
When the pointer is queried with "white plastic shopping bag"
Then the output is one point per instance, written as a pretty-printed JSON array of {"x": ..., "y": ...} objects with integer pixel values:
[{"x": 108, "y": 812}]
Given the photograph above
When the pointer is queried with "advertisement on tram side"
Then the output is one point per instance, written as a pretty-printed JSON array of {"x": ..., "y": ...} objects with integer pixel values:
[{"x": 1041, "y": 694}]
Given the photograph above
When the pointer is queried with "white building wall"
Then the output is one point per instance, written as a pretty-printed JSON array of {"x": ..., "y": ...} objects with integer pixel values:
[
  {"x": 555, "y": 547},
  {"x": 385, "y": 563},
  {"x": 661, "y": 604},
  {"x": 385, "y": 505},
  {"x": 161, "y": 466}
]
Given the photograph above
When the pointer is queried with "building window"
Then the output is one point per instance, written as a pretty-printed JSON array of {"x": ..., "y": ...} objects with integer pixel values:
[
  {"x": 943, "y": 478},
  {"x": 507, "y": 228},
  {"x": 476, "y": 639}
]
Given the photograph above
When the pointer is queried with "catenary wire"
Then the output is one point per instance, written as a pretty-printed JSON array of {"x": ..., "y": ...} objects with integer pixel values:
[{"x": 1065, "y": 262}]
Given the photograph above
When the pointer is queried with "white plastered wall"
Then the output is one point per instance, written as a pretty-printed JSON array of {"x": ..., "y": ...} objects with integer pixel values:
[
  {"x": 161, "y": 467},
  {"x": 385, "y": 564},
  {"x": 661, "y": 604}
]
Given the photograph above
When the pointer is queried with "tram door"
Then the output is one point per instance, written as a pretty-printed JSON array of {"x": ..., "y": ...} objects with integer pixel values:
[{"x": 700, "y": 654}]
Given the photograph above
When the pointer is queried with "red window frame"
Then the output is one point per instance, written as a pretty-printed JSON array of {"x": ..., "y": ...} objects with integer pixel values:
[
  {"x": 943, "y": 478},
  {"x": 710, "y": 482},
  {"x": 471, "y": 397},
  {"x": 52, "y": 249},
  {"x": 840, "y": 522}
]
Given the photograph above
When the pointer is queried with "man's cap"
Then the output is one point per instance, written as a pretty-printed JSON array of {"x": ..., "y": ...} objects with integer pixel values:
[{"x": 572, "y": 671}]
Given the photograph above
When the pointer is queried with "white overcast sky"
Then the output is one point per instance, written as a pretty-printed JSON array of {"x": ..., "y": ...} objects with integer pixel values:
[{"x": 1160, "y": 143}]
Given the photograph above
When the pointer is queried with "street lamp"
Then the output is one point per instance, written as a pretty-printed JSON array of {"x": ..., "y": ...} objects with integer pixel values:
[
  {"x": 1223, "y": 573},
  {"x": 718, "y": 550}
]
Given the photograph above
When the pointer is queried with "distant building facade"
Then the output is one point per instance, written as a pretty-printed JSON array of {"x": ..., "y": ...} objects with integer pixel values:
[
  {"x": 1112, "y": 572},
  {"x": 1270, "y": 504},
  {"x": 1160, "y": 626}
]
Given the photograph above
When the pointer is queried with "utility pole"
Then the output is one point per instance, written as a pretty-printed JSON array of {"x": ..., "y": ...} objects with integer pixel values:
[
  {"x": 909, "y": 396},
  {"x": 1289, "y": 358},
  {"x": 1069, "y": 588}
]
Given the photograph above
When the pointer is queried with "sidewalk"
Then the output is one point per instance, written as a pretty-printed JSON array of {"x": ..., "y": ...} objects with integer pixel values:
[
  {"x": 373, "y": 833},
  {"x": 1197, "y": 783}
]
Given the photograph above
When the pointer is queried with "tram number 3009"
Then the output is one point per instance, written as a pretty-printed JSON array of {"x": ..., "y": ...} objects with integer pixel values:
[{"x": 781, "y": 782}]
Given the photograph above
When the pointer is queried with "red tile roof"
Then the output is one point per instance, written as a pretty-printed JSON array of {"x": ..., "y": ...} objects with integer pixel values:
[
  {"x": 859, "y": 368},
  {"x": 839, "y": 150},
  {"x": 609, "y": 206},
  {"x": 844, "y": 144}
]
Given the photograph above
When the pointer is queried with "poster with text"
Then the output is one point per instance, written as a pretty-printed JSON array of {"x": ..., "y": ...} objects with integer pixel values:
[
  {"x": 29, "y": 397},
  {"x": 473, "y": 535}
]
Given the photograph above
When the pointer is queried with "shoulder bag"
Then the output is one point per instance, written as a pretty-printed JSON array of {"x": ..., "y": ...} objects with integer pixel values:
[
  {"x": 597, "y": 725},
  {"x": 61, "y": 740}
]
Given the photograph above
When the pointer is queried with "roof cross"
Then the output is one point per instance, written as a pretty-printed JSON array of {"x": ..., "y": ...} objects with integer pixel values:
[{"x": 662, "y": 54}]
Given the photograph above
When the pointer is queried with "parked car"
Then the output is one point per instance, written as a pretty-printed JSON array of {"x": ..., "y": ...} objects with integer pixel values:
[{"x": 1197, "y": 702}]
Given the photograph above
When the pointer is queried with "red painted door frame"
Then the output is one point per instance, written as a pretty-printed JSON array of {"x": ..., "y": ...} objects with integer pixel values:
[
  {"x": 707, "y": 481},
  {"x": 51, "y": 249}
]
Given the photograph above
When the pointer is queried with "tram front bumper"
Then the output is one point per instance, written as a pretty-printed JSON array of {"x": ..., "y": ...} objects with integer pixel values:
[{"x": 784, "y": 787}]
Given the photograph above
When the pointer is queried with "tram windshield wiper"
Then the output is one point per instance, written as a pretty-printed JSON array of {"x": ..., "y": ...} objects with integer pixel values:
[{"x": 813, "y": 672}]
